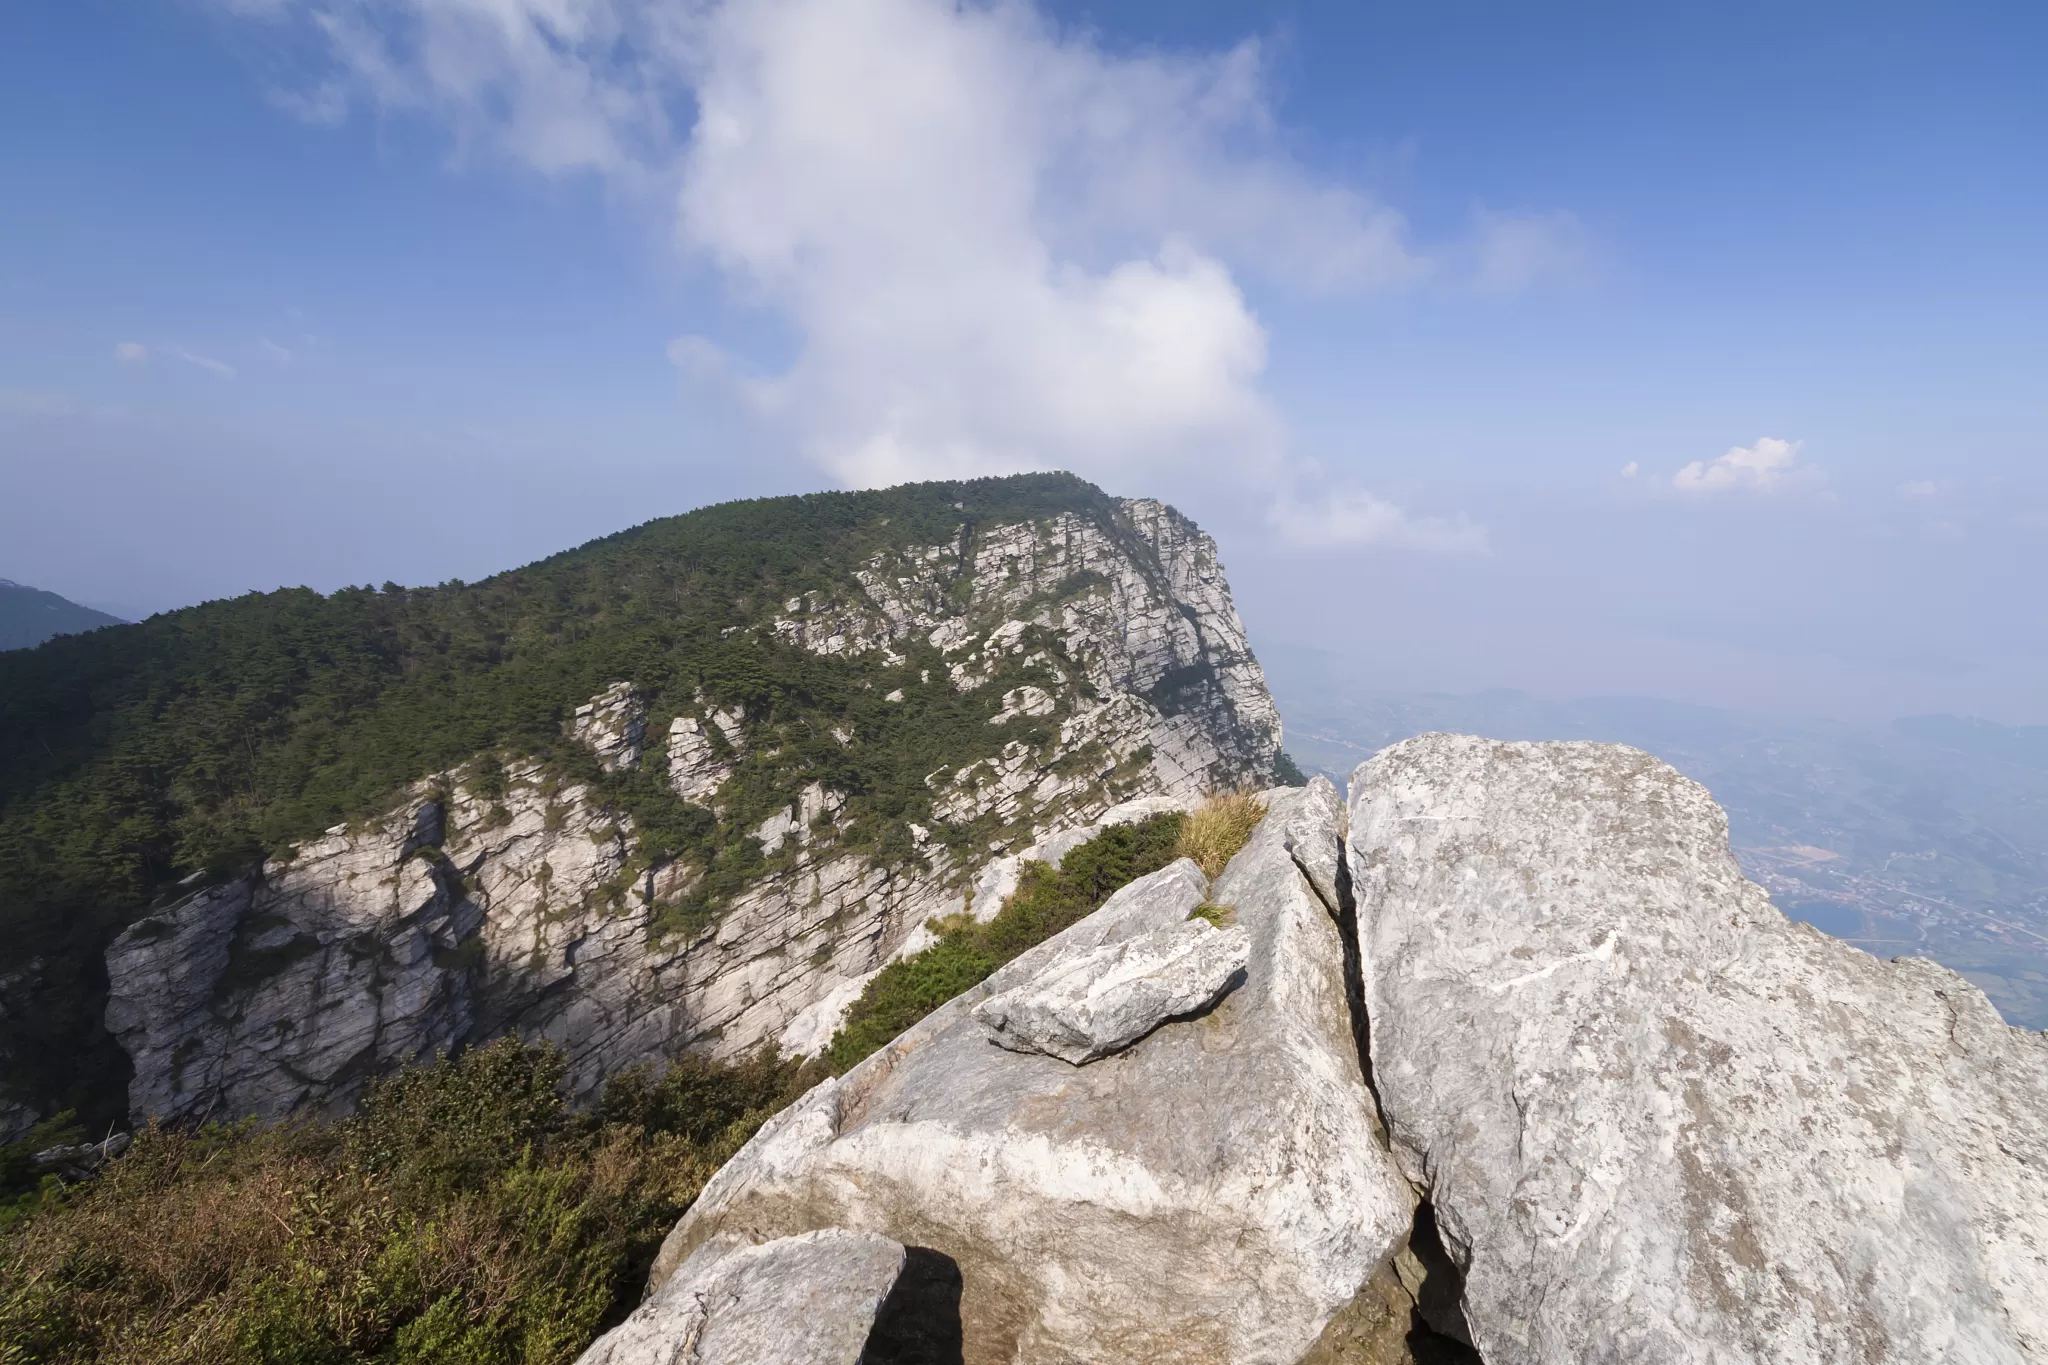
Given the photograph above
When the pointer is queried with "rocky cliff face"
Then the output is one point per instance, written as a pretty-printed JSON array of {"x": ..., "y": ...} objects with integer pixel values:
[{"x": 1106, "y": 655}]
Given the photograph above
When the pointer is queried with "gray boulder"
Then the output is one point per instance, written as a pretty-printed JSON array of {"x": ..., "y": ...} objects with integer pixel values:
[
  {"x": 812, "y": 1299},
  {"x": 1216, "y": 1192},
  {"x": 1657, "y": 1120},
  {"x": 1088, "y": 1004}
]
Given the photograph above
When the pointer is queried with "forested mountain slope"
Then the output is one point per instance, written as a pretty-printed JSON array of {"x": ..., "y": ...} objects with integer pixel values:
[{"x": 813, "y": 694}]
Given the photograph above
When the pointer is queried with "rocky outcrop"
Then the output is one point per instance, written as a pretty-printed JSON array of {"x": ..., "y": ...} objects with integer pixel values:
[
  {"x": 287, "y": 989},
  {"x": 820, "y": 1298},
  {"x": 1658, "y": 1121},
  {"x": 1087, "y": 1004},
  {"x": 1148, "y": 662},
  {"x": 614, "y": 724},
  {"x": 1118, "y": 682},
  {"x": 699, "y": 764},
  {"x": 1217, "y": 1191}
]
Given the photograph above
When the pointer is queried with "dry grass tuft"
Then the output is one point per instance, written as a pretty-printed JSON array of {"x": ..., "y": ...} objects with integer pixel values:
[{"x": 1217, "y": 829}]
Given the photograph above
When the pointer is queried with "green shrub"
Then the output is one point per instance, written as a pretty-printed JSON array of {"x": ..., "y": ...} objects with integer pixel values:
[
  {"x": 465, "y": 1217},
  {"x": 1047, "y": 900}
]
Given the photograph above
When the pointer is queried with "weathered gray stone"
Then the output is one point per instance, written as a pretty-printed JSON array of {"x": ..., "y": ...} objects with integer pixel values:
[
  {"x": 1659, "y": 1121},
  {"x": 614, "y": 724},
  {"x": 804, "y": 1300},
  {"x": 1096, "y": 1001},
  {"x": 695, "y": 768},
  {"x": 1216, "y": 1192}
]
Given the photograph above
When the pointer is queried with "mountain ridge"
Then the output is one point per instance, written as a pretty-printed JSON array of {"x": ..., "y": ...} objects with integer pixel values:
[
  {"x": 847, "y": 692},
  {"x": 29, "y": 616}
]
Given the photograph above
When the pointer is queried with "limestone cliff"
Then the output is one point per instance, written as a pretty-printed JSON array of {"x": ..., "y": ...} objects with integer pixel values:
[{"x": 1076, "y": 661}]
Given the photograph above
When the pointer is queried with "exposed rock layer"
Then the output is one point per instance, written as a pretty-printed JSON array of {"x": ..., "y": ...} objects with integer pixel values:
[{"x": 1659, "y": 1121}]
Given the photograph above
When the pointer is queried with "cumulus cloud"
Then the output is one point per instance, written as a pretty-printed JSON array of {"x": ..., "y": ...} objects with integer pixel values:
[
  {"x": 1630, "y": 470},
  {"x": 1002, "y": 246},
  {"x": 131, "y": 352},
  {"x": 1768, "y": 465}
]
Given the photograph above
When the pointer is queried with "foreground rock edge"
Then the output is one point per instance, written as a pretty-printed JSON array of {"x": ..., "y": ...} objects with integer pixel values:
[{"x": 1657, "y": 1120}]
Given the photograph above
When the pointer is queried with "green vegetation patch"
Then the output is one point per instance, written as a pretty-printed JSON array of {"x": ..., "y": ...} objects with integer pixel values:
[
  {"x": 1047, "y": 900},
  {"x": 465, "y": 1217}
]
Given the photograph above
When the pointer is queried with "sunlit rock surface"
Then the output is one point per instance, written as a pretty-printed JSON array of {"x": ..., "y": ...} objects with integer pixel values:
[{"x": 1659, "y": 1121}]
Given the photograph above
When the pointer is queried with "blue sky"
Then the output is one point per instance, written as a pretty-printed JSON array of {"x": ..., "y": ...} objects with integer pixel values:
[{"x": 1389, "y": 298}]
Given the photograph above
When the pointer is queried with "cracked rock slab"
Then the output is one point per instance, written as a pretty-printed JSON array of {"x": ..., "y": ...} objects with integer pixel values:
[
  {"x": 1101, "y": 1000},
  {"x": 1660, "y": 1121}
]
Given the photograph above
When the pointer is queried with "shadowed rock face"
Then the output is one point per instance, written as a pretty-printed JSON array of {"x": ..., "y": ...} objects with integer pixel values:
[
  {"x": 1215, "y": 1192},
  {"x": 1657, "y": 1120}
]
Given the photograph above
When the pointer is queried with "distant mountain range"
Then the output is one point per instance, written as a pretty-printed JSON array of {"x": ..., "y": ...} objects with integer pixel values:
[
  {"x": 29, "y": 616},
  {"x": 1925, "y": 836}
]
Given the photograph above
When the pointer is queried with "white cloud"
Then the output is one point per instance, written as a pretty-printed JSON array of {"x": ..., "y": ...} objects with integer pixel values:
[
  {"x": 1630, "y": 470},
  {"x": 131, "y": 352},
  {"x": 1922, "y": 488},
  {"x": 1002, "y": 246},
  {"x": 1351, "y": 517},
  {"x": 1768, "y": 465},
  {"x": 219, "y": 367},
  {"x": 1515, "y": 251}
]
